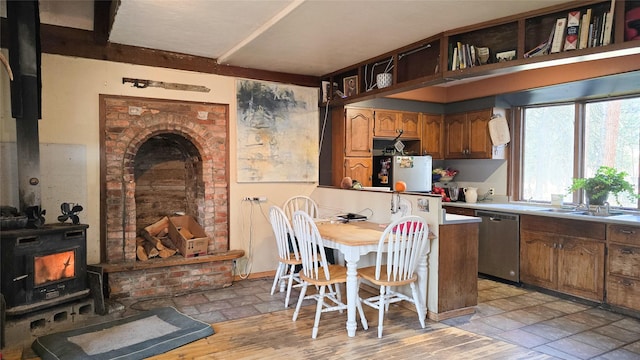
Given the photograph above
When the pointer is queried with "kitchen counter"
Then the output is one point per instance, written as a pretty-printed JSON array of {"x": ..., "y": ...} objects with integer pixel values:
[
  {"x": 627, "y": 218},
  {"x": 454, "y": 219}
]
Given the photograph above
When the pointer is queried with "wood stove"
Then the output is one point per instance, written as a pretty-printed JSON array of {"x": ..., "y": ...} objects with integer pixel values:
[{"x": 43, "y": 267}]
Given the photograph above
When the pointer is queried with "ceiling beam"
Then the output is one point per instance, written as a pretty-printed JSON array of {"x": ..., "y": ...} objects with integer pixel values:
[{"x": 261, "y": 30}]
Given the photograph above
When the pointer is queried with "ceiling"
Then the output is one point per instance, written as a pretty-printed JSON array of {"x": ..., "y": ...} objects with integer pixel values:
[{"x": 307, "y": 37}]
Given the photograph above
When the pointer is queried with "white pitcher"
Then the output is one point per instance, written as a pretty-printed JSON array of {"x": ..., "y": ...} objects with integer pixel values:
[{"x": 470, "y": 194}]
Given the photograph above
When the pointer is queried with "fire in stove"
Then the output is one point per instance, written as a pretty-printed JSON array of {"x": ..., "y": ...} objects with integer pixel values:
[{"x": 54, "y": 267}]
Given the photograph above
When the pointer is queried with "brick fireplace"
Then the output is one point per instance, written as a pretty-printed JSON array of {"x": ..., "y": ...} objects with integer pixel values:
[{"x": 159, "y": 158}]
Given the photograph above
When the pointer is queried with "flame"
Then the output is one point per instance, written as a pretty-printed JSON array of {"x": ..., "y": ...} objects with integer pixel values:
[{"x": 54, "y": 267}]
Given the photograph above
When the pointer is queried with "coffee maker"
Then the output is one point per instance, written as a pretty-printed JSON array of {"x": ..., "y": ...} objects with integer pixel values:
[{"x": 453, "y": 191}]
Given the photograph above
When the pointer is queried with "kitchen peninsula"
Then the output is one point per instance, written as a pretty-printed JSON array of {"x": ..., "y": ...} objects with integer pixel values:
[{"x": 452, "y": 262}]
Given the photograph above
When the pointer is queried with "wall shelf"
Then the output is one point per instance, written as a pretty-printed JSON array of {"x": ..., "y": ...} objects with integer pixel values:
[{"x": 429, "y": 62}]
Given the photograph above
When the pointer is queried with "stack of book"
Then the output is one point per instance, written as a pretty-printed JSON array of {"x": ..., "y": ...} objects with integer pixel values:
[
  {"x": 463, "y": 56},
  {"x": 579, "y": 30}
]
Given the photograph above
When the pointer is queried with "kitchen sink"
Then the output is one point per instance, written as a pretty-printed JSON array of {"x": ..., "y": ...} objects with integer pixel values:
[
  {"x": 562, "y": 210},
  {"x": 601, "y": 214}
]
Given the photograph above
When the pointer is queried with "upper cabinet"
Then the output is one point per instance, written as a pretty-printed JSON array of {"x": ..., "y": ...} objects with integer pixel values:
[
  {"x": 352, "y": 149},
  {"x": 432, "y": 135},
  {"x": 563, "y": 34},
  {"x": 467, "y": 135},
  {"x": 391, "y": 124}
]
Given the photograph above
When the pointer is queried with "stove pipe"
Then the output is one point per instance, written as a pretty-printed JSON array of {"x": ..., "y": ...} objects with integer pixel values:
[{"x": 24, "y": 58}]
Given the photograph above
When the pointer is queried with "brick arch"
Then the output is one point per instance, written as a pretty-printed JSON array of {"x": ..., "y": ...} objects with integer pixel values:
[{"x": 126, "y": 133}]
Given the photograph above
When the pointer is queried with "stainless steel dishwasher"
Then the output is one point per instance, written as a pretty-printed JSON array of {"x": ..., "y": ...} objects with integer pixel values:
[{"x": 499, "y": 245}]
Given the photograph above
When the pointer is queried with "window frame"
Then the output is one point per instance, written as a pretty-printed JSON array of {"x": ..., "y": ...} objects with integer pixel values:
[{"x": 517, "y": 149}]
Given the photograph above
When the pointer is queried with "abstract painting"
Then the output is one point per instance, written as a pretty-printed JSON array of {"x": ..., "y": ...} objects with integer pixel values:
[{"x": 277, "y": 132}]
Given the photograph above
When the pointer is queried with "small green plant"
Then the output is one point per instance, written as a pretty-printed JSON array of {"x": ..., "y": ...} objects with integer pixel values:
[{"x": 607, "y": 180}]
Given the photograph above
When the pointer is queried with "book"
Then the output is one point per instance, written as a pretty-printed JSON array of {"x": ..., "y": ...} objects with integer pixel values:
[
  {"x": 608, "y": 25},
  {"x": 584, "y": 30},
  {"x": 573, "y": 27},
  {"x": 454, "y": 60},
  {"x": 558, "y": 35}
]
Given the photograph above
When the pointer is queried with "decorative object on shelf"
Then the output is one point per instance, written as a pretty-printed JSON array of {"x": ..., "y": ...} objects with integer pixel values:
[
  {"x": 384, "y": 80},
  {"x": 632, "y": 24},
  {"x": 350, "y": 85},
  {"x": 483, "y": 54},
  {"x": 607, "y": 180},
  {"x": 506, "y": 56},
  {"x": 70, "y": 212}
]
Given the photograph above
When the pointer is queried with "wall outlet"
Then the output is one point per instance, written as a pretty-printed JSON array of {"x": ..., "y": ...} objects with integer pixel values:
[
  {"x": 492, "y": 191},
  {"x": 260, "y": 198}
]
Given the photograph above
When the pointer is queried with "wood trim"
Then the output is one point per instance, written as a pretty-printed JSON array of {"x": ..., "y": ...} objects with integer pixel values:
[
  {"x": 83, "y": 43},
  {"x": 172, "y": 261}
]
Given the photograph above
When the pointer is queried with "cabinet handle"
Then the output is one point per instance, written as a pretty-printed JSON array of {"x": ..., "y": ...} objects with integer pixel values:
[
  {"x": 627, "y": 232},
  {"x": 555, "y": 246},
  {"x": 626, "y": 283},
  {"x": 626, "y": 251},
  {"x": 560, "y": 246}
]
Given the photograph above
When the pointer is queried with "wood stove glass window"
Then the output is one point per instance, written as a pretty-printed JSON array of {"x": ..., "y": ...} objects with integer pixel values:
[{"x": 54, "y": 267}]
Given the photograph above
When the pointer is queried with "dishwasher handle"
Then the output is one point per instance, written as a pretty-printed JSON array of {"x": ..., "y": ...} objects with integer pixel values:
[{"x": 496, "y": 216}]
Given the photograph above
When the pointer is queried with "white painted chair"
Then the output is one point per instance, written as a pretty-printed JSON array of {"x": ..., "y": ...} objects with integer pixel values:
[
  {"x": 302, "y": 203},
  {"x": 402, "y": 245},
  {"x": 288, "y": 255},
  {"x": 316, "y": 271}
]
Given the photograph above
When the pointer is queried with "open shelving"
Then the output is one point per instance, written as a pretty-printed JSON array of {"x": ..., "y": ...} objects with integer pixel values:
[{"x": 428, "y": 62}]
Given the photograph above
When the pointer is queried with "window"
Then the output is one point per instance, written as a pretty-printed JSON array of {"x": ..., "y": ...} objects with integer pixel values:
[
  {"x": 566, "y": 141},
  {"x": 547, "y": 151}
]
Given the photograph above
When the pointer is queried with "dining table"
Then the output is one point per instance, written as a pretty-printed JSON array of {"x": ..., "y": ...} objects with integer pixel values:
[{"x": 354, "y": 239}]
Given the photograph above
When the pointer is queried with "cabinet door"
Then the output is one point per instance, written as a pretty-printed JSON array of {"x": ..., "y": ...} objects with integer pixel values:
[
  {"x": 479, "y": 141},
  {"x": 538, "y": 259},
  {"x": 385, "y": 124},
  {"x": 455, "y": 130},
  {"x": 409, "y": 122},
  {"x": 433, "y": 136},
  {"x": 587, "y": 256},
  {"x": 359, "y": 169},
  {"x": 358, "y": 132}
]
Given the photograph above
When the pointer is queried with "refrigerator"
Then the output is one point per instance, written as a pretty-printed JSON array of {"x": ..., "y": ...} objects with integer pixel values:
[{"x": 415, "y": 171}]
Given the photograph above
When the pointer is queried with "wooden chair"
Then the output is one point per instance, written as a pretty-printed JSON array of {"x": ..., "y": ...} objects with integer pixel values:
[
  {"x": 316, "y": 271},
  {"x": 288, "y": 255},
  {"x": 300, "y": 202},
  {"x": 402, "y": 245}
]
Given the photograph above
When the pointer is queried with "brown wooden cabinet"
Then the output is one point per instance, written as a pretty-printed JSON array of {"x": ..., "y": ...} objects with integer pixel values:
[
  {"x": 459, "y": 210},
  {"x": 467, "y": 135},
  {"x": 563, "y": 255},
  {"x": 352, "y": 136},
  {"x": 457, "y": 270},
  {"x": 432, "y": 135},
  {"x": 389, "y": 123},
  {"x": 623, "y": 266}
]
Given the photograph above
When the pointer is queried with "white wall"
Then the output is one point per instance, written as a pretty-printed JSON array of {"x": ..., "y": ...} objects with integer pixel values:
[{"x": 70, "y": 116}]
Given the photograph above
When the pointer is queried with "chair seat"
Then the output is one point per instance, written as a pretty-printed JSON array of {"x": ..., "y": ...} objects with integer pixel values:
[
  {"x": 337, "y": 274},
  {"x": 291, "y": 261},
  {"x": 369, "y": 273}
]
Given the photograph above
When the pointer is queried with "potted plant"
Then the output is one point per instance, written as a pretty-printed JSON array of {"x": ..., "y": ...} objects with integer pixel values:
[{"x": 607, "y": 180}]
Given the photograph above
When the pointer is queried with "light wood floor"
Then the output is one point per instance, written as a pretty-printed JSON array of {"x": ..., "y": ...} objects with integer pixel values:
[{"x": 274, "y": 336}]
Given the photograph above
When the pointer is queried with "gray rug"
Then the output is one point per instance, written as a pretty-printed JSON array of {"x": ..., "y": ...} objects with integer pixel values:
[{"x": 136, "y": 337}]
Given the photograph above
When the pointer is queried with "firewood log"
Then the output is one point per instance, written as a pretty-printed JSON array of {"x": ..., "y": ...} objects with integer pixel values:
[
  {"x": 159, "y": 226},
  {"x": 165, "y": 253},
  {"x": 152, "y": 239}
]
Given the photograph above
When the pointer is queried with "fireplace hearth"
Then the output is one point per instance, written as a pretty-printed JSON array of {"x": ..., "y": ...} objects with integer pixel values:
[{"x": 43, "y": 267}]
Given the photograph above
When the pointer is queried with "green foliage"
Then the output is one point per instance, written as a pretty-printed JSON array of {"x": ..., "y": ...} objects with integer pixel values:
[{"x": 606, "y": 180}]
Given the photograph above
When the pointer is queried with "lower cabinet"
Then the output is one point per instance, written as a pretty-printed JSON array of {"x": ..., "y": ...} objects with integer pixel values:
[
  {"x": 564, "y": 255},
  {"x": 457, "y": 270},
  {"x": 623, "y": 266}
]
